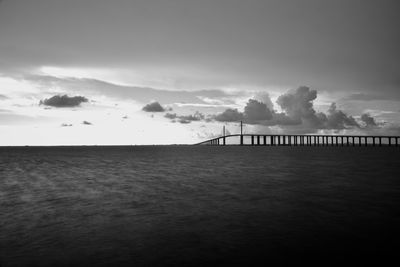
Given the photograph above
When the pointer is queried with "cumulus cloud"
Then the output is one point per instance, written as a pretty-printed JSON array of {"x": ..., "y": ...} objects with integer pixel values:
[
  {"x": 61, "y": 101},
  {"x": 298, "y": 110},
  {"x": 256, "y": 111},
  {"x": 264, "y": 98},
  {"x": 368, "y": 120},
  {"x": 229, "y": 115},
  {"x": 337, "y": 119},
  {"x": 153, "y": 107},
  {"x": 298, "y": 105}
]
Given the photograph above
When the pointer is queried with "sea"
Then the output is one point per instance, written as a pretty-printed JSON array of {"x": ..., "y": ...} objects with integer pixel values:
[{"x": 199, "y": 206}]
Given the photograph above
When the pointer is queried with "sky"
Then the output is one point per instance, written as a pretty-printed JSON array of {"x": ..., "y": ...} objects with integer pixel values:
[{"x": 89, "y": 72}]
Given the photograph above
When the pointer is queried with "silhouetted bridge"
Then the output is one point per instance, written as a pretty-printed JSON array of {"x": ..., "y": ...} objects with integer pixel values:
[{"x": 302, "y": 140}]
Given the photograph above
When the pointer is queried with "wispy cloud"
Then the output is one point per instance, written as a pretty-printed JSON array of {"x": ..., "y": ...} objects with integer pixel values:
[{"x": 371, "y": 97}]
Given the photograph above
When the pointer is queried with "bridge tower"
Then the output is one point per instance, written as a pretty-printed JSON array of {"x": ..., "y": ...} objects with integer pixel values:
[{"x": 241, "y": 133}]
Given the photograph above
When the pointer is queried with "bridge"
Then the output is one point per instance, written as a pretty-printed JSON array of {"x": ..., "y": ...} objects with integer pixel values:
[{"x": 300, "y": 140}]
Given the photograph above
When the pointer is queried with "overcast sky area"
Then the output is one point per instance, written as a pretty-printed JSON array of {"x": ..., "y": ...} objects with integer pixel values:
[{"x": 177, "y": 71}]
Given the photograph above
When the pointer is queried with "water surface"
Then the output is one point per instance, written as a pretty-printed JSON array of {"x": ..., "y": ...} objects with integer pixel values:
[{"x": 187, "y": 205}]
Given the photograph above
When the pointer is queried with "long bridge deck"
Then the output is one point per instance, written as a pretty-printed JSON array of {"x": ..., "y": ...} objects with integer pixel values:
[{"x": 302, "y": 140}]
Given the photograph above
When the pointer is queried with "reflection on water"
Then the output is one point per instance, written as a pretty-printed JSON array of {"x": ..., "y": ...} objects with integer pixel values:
[{"x": 182, "y": 205}]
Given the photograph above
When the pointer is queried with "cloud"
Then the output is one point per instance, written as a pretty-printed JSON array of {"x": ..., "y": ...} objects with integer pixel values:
[
  {"x": 66, "y": 125},
  {"x": 2, "y": 97},
  {"x": 153, "y": 107},
  {"x": 183, "y": 121},
  {"x": 170, "y": 116},
  {"x": 197, "y": 116},
  {"x": 298, "y": 105},
  {"x": 337, "y": 119},
  {"x": 140, "y": 94},
  {"x": 229, "y": 115},
  {"x": 298, "y": 110},
  {"x": 86, "y": 123},
  {"x": 370, "y": 97},
  {"x": 256, "y": 111},
  {"x": 368, "y": 120},
  {"x": 63, "y": 101},
  {"x": 264, "y": 98}
]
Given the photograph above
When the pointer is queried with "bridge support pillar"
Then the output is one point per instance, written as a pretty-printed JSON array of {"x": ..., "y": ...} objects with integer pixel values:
[{"x": 380, "y": 141}]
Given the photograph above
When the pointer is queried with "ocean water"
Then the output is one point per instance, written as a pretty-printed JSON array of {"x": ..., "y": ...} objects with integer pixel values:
[{"x": 198, "y": 205}]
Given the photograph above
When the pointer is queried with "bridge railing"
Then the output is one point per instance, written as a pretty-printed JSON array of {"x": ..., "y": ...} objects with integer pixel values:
[{"x": 302, "y": 140}]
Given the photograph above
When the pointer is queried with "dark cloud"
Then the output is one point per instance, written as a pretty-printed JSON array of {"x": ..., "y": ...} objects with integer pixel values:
[
  {"x": 63, "y": 101},
  {"x": 298, "y": 105},
  {"x": 337, "y": 119},
  {"x": 153, "y": 107},
  {"x": 229, "y": 115},
  {"x": 170, "y": 116},
  {"x": 86, "y": 123},
  {"x": 368, "y": 120},
  {"x": 183, "y": 121},
  {"x": 256, "y": 111},
  {"x": 298, "y": 110}
]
